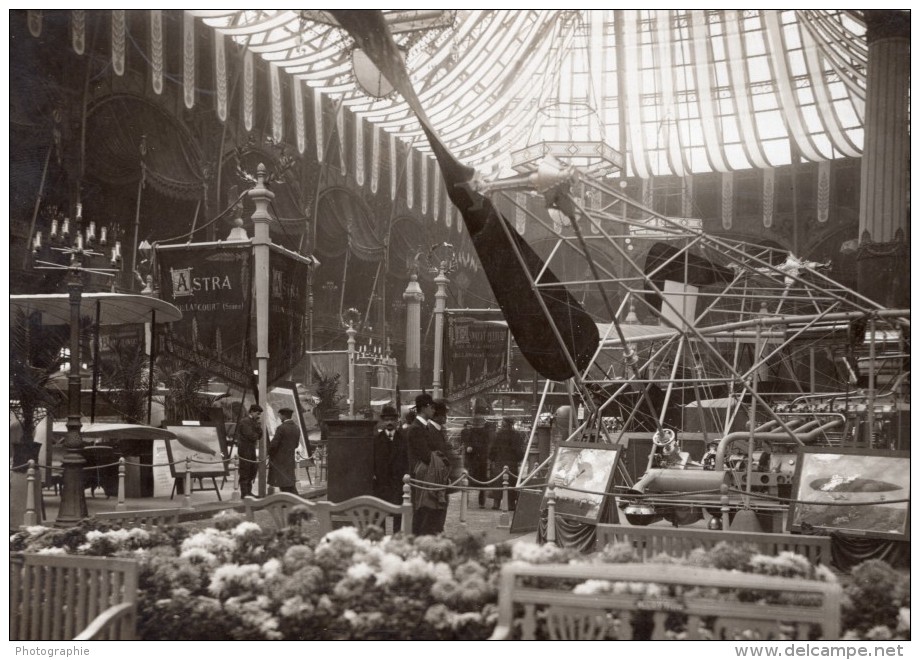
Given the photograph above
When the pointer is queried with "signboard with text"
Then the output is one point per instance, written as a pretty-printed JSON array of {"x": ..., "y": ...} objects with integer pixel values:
[
  {"x": 211, "y": 285},
  {"x": 287, "y": 314},
  {"x": 475, "y": 356}
]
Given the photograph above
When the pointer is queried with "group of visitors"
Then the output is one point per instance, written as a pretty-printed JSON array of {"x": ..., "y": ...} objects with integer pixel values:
[
  {"x": 418, "y": 448},
  {"x": 486, "y": 454},
  {"x": 281, "y": 448}
]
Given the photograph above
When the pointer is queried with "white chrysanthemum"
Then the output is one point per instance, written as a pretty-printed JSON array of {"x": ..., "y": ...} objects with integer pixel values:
[
  {"x": 52, "y": 551},
  {"x": 593, "y": 587},
  {"x": 211, "y": 540},
  {"x": 34, "y": 530},
  {"x": 246, "y": 527},
  {"x": 199, "y": 554},
  {"x": 489, "y": 551},
  {"x": 271, "y": 568},
  {"x": 245, "y": 577},
  {"x": 350, "y": 616},
  {"x": 347, "y": 533},
  {"x": 359, "y": 571},
  {"x": 390, "y": 567}
]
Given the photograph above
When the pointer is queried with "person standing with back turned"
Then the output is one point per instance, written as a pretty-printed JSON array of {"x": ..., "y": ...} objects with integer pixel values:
[
  {"x": 428, "y": 465},
  {"x": 281, "y": 453}
]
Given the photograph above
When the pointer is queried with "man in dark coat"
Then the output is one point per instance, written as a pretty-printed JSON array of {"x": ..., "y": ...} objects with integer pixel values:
[
  {"x": 429, "y": 461},
  {"x": 475, "y": 443},
  {"x": 247, "y": 437},
  {"x": 507, "y": 449},
  {"x": 391, "y": 461},
  {"x": 281, "y": 453}
]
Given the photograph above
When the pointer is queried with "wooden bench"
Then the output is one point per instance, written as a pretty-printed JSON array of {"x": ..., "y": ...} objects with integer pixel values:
[
  {"x": 59, "y": 597},
  {"x": 681, "y": 541},
  {"x": 697, "y": 598},
  {"x": 361, "y": 512}
]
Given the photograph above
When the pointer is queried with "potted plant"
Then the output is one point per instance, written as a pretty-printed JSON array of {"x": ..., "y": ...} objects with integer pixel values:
[{"x": 327, "y": 391}]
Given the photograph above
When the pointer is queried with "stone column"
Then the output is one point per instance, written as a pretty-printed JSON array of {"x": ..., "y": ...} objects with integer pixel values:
[
  {"x": 440, "y": 305},
  {"x": 413, "y": 296},
  {"x": 883, "y": 254}
]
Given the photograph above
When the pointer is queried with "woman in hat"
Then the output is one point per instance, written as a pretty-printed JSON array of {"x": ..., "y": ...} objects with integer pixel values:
[{"x": 281, "y": 453}]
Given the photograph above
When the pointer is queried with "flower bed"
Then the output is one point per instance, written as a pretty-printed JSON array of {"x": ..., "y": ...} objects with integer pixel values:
[{"x": 237, "y": 581}]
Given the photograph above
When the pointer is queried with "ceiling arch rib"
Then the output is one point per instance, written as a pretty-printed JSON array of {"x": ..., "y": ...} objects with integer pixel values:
[
  {"x": 790, "y": 104},
  {"x": 638, "y": 155},
  {"x": 705, "y": 92},
  {"x": 737, "y": 62},
  {"x": 665, "y": 72},
  {"x": 827, "y": 110},
  {"x": 452, "y": 85}
]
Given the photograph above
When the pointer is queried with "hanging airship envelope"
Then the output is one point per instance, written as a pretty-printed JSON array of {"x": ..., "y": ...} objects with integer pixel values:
[{"x": 504, "y": 255}]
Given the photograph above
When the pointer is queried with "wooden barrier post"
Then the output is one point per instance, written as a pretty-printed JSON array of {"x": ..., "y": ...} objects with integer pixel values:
[
  {"x": 120, "y": 505},
  {"x": 30, "y": 517},
  {"x": 407, "y": 491},
  {"x": 235, "y": 468},
  {"x": 464, "y": 494},
  {"x": 188, "y": 482},
  {"x": 504, "y": 520},
  {"x": 551, "y": 515}
]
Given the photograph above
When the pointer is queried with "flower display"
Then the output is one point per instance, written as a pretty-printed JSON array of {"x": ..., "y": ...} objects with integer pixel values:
[{"x": 234, "y": 580}]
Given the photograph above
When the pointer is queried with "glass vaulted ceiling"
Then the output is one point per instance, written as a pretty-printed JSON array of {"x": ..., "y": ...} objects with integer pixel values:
[{"x": 677, "y": 91}]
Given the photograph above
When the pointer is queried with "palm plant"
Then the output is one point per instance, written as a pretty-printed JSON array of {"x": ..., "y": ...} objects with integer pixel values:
[
  {"x": 125, "y": 377},
  {"x": 35, "y": 356}
]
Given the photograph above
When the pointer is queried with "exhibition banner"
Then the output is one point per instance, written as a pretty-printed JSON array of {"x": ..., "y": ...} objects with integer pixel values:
[
  {"x": 475, "y": 356},
  {"x": 211, "y": 285},
  {"x": 287, "y": 313}
]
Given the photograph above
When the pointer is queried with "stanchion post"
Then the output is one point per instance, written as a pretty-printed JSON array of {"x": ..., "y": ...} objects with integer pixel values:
[
  {"x": 30, "y": 517},
  {"x": 464, "y": 494},
  {"x": 120, "y": 505},
  {"x": 504, "y": 520},
  {"x": 235, "y": 467},
  {"x": 188, "y": 482},
  {"x": 551, "y": 515},
  {"x": 407, "y": 491}
]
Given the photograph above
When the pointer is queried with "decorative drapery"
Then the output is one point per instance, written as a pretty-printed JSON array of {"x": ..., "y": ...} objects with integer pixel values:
[
  {"x": 848, "y": 551},
  {"x": 156, "y": 50},
  {"x": 340, "y": 133},
  {"x": 78, "y": 30},
  {"x": 424, "y": 183},
  {"x": 172, "y": 165},
  {"x": 118, "y": 41},
  {"x": 824, "y": 191},
  {"x": 249, "y": 92},
  {"x": 188, "y": 60},
  {"x": 410, "y": 179},
  {"x": 277, "y": 117},
  {"x": 318, "y": 125},
  {"x": 686, "y": 198},
  {"x": 769, "y": 193},
  {"x": 300, "y": 127},
  {"x": 728, "y": 194},
  {"x": 393, "y": 161},
  {"x": 346, "y": 224},
  {"x": 220, "y": 76},
  {"x": 359, "y": 151},
  {"x": 375, "y": 158},
  {"x": 436, "y": 193}
]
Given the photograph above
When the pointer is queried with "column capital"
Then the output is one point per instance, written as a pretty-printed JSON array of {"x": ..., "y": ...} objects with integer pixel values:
[
  {"x": 413, "y": 292},
  {"x": 886, "y": 24}
]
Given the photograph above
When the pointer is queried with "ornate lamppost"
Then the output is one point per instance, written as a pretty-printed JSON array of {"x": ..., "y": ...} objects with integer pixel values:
[
  {"x": 443, "y": 261},
  {"x": 351, "y": 317},
  {"x": 78, "y": 245}
]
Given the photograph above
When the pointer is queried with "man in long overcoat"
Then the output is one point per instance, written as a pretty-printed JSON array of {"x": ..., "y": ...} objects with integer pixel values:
[
  {"x": 475, "y": 443},
  {"x": 281, "y": 453},
  {"x": 391, "y": 460}
]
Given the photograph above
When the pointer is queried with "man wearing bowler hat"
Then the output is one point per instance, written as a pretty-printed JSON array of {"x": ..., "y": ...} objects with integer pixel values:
[
  {"x": 429, "y": 462},
  {"x": 391, "y": 460},
  {"x": 281, "y": 453}
]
